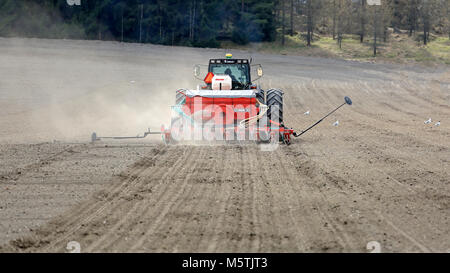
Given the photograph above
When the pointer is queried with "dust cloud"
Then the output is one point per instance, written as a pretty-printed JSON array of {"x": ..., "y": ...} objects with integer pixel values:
[{"x": 64, "y": 90}]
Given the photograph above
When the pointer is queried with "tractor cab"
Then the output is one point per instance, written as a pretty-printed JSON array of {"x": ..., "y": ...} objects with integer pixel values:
[{"x": 238, "y": 71}]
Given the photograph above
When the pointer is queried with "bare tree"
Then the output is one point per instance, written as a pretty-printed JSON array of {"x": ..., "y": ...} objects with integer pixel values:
[
  {"x": 340, "y": 24},
  {"x": 283, "y": 23},
  {"x": 292, "y": 18},
  {"x": 375, "y": 29},
  {"x": 362, "y": 18},
  {"x": 356, "y": 16},
  {"x": 426, "y": 17},
  {"x": 192, "y": 14},
  {"x": 447, "y": 17},
  {"x": 387, "y": 14},
  {"x": 121, "y": 31},
  {"x": 309, "y": 22},
  {"x": 334, "y": 19},
  {"x": 140, "y": 22},
  {"x": 412, "y": 16}
]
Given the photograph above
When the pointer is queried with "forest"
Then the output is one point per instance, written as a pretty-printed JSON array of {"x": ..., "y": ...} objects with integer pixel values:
[{"x": 206, "y": 23}]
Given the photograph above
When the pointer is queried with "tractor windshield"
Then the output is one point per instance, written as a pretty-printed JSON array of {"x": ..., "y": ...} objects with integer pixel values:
[{"x": 239, "y": 73}]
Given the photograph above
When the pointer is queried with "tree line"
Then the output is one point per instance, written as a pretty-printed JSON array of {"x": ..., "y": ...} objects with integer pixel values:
[
  {"x": 205, "y": 23},
  {"x": 181, "y": 22}
]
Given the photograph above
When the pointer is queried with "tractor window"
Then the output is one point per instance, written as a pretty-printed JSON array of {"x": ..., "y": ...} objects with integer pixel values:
[{"x": 238, "y": 72}]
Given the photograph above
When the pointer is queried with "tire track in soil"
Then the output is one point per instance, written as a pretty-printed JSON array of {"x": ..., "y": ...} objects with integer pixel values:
[
  {"x": 370, "y": 201},
  {"x": 388, "y": 142},
  {"x": 335, "y": 231},
  {"x": 323, "y": 219},
  {"x": 397, "y": 187},
  {"x": 424, "y": 98},
  {"x": 249, "y": 157},
  {"x": 217, "y": 209},
  {"x": 168, "y": 198},
  {"x": 333, "y": 227},
  {"x": 402, "y": 233},
  {"x": 171, "y": 221},
  {"x": 284, "y": 225},
  {"x": 115, "y": 196},
  {"x": 216, "y": 201},
  {"x": 411, "y": 101},
  {"x": 191, "y": 235},
  {"x": 270, "y": 226},
  {"x": 129, "y": 207},
  {"x": 246, "y": 226},
  {"x": 62, "y": 228},
  {"x": 194, "y": 210},
  {"x": 234, "y": 226},
  {"x": 358, "y": 241},
  {"x": 213, "y": 242},
  {"x": 17, "y": 173}
]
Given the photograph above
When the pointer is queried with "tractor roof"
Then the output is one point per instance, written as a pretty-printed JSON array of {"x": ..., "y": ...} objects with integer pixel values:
[{"x": 228, "y": 61}]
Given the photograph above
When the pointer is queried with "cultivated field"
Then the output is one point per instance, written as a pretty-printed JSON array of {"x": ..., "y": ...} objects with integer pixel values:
[{"x": 381, "y": 175}]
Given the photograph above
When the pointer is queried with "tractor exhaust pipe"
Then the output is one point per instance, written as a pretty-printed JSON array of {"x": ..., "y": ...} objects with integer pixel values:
[{"x": 347, "y": 101}]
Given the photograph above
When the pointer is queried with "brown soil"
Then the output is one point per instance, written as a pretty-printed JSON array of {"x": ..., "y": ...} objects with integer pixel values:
[{"x": 381, "y": 175}]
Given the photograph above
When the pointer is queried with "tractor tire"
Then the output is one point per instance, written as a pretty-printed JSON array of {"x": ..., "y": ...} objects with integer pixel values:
[
  {"x": 274, "y": 101},
  {"x": 179, "y": 97},
  {"x": 176, "y": 127},
  {"x": 261, "y": 96}
]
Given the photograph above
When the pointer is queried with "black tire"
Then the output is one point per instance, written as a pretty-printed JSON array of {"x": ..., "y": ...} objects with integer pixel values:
[
  {"x": 264, "y": 137},
  {"x": 175, "y": 124},
  {"x": 274, "y": 101},
  {"x": 180, "y": 97},
  {"x": 261, "y": 96}
]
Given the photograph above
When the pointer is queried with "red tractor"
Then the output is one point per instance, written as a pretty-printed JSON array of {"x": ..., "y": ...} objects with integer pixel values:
[{"x": 227, "y": 107}]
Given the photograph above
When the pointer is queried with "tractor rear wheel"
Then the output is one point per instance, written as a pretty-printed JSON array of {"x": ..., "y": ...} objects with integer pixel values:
[
  {"x": 275, "y": 104},
  {"x": 261, "y": 96},
  {"x": 176, "y": 131}
]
